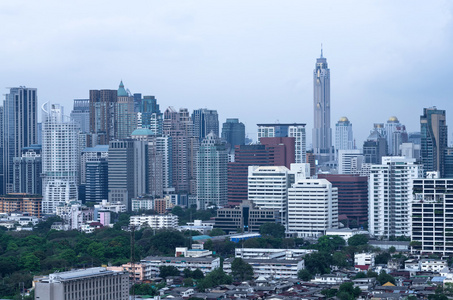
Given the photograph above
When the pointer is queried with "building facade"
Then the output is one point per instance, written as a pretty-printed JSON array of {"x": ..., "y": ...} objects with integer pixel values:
[
  {"x": 432, "y": 216},
  {"x": 84, "y": 284},
  {"x": 352, "y": 197},
  {"x": 434, "y": 136},
  {"x": 212, "y": 178},
  {"x": 60, "y": 158},
  {"x": 268, "y": 189},
  {"x": 390, "y": 196},
  {"x": 344, "y": 139},
  {"x": 322, "y": 132},
  {"x": 233, "y": 132},
  {"x": 312, "y": 207},
  {"x": 19, "y": 128}
]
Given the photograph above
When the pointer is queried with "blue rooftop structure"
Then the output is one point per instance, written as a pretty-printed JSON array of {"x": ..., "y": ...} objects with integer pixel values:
[
  {"x": 122, "y": 91},
  {"x": 201, "y": 237},
  {"x": 97, "y": 148},
  {"x": 142, "y": 131}
]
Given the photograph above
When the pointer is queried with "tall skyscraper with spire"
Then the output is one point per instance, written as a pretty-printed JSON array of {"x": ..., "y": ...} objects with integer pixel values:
[{"x": 322, "y": 133}]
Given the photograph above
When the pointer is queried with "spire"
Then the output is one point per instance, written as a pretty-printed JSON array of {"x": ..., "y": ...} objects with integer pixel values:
[
  {"x": 121, "y": 91},
  {"x": 321, "y": 50}
]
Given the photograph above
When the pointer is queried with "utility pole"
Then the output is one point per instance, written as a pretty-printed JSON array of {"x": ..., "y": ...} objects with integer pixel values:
[{"x": 133, "y": 260}]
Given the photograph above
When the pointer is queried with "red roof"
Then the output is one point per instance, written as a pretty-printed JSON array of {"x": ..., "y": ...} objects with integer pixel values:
[{"x": 362, "y": 267}]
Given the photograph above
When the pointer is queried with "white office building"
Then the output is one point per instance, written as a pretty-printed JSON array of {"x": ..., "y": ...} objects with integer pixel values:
[
  {"x": 298, "y": 132},
  {"x": 84, "y": 284},
  {"x": 432, "y": 216},
  {"x": 268, "y": 188},
  {"x": 312, "y": 207},
  {"x": 349, "y": 161},
  {"x": 390, "y": 196},
  {"x": 155, "y": 221},
  {"x": 60, "y": 158}
]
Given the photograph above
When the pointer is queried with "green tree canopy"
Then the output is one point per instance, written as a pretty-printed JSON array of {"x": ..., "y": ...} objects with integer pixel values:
[
  {"x": 275, "y": 230},
  {"x": 165, "y": 271},
  {"x": 241, "y": 270},
  {"x": 358, "y": 239},
  {"x": 329, "y": 243}
]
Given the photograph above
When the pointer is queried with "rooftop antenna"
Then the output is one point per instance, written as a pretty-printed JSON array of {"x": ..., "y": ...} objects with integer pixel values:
[{"x": 321, "y": 50}]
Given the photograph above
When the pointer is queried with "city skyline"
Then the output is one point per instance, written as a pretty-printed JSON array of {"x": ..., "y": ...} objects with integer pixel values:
[{"x": 249, "y": 57}]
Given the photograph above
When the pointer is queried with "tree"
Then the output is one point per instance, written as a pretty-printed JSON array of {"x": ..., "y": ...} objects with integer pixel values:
[
  {"x": 318, "y": 263},
  {"x": 276, "y": 230},
  {"x": 329, "y": 243},
  {"x": 214, "y": 278},
  {"x": 382, "y": 258},
  {"x": 384, "y": 278},
  {"x": 197, "y": 274},
  {"x": 216, "y": 232},
  {"x": 304, "y": 275},
  {"x": 339, "y": 259},
  {"x": 241, "y": 270},
  {"x": 358, "y": 239},
  {"x": 188, "y": 282},
  {"x": 31, "y": 262},
  {"x": 329, "y": 293},
  {"x": 392, "y": 249},
  {"x": 349, "y": 289},
  {"x": 360, "y": 275},
  {"x": 165, "y": 271}
]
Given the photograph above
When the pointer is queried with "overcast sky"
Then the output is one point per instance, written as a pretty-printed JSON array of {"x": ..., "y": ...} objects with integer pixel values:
[{"x": 252, "y": 60}]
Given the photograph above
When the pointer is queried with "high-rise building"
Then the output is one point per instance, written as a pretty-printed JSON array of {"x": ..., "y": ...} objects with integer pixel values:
[
  {"x": 390, "y": 127},
  {"x": 150, "y": 115},
  {"x": 245, "y": 156},
  {"x": 19, "y": 129},
  {"x": 322, "y": 133},
  {"x": 233, "y": 132},
  {"x": 28, "y": 170},
  {"x": 352, "y": 196},
  {"x": 95, "y": 173},
  {"x": 102, "y": 115},
  {"x": 125, "y": 120},
  {"x": 295, "y": 130},
  {"x": 60, "y": 158},
  {"x": 159, "y": 161},
  {"x": 80, "y": 114},
  {"x": 349, "y": 161},
  {"x": 434, "y": 136},
  {"x": 343, "y": 135},
  {"x": 375, "y": 147},
  {"x": 268, "y": 189},
  {"x": 432, "y": 216},
  {"x": 390, "y": 196},
  {"x": 282, "y": 150},
  {"x": 212, "y": 177},
  {"x": 127, "y": 174},
  {"x": 179, "y": 126},
  {"x": 399, "y": 137},
  {"x": 204, "y": 121},
  {"x": 312, "y": 207}
]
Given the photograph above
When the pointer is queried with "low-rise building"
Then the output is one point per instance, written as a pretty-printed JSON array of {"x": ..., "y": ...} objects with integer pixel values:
[
  {"x": 345, "y": 233},
  {"x": 244, "y": 217},
  {"x": 155, "y": 221},
  {"x": 364, "y": 259},
  {"x": 330, "y": 279},
  {"x": 21, "y": 202},
  {"x": 432, "y": 265},
  {"x": 197, "y": 252},
  {"x": 134, "y": 270},
  {"x": 84, "y": 284},
  {"x": 205, "y": 264},
  {"x": 276, "y": 268},
  {"x": 265, "y": 253}
]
